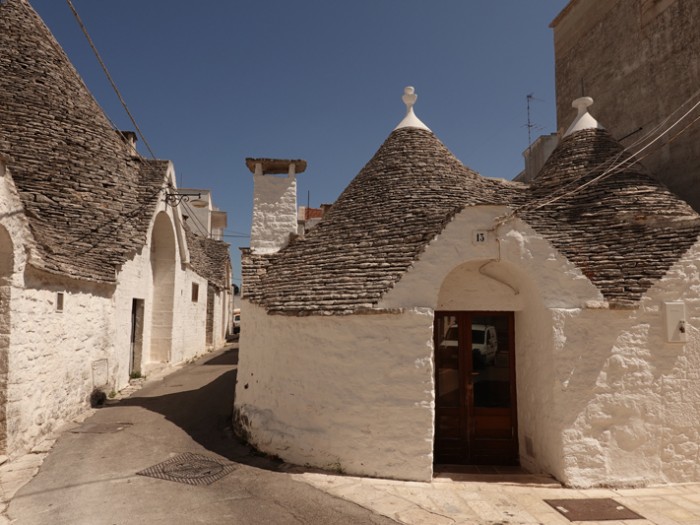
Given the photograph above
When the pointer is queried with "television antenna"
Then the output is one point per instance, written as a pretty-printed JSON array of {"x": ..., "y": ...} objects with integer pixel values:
[{"x": 530, "y": 126}]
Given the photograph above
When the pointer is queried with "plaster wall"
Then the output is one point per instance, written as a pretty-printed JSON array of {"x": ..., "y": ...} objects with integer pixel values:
[
  {"x": 629, "y": 399},
  {"x": 603, "y": 398},
  {"x": 515, "y": 254},
  {"x": 274, "y": 212},
  {"x": 348, "y": 393},
  {"x": 188, "y": 326},
  {"x": 56, "y": 357},
  {"x": 517, "y": 270}
]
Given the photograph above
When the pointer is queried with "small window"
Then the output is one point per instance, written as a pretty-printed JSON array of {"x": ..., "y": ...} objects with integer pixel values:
[
  {"x": 59, "y": 302},
  {"x": 195, "y": 292}
]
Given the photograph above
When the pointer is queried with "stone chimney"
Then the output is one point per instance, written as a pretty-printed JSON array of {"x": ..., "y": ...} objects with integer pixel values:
[
  {"x": 274, "y": 203},
  {"x": 129, "y": 138}
]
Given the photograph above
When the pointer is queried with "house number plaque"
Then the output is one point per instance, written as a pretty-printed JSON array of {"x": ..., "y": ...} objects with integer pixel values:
[{"x": 480, "y": 237}]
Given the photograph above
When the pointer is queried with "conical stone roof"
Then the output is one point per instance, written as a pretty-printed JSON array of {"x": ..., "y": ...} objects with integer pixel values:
[
  {"x": 87, "y": 199},
  {"x": 607, "y": 215},
  {"x": 407, "y": 193},
  {"x": 619, "y": 224}
]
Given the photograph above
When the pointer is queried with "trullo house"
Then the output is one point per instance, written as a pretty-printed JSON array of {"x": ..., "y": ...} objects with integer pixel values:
[
  {"x": 100, "y": 278},
  {"x": 438, "y": 317}
]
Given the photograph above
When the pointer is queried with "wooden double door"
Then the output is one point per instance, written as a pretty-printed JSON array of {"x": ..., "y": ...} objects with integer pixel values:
[{"x": 475, "y": 413}]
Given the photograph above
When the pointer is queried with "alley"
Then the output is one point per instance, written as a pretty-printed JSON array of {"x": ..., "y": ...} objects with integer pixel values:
[{"x": 90, "y": 476}]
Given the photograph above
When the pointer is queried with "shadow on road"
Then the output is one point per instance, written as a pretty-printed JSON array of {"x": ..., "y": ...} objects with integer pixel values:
[{"x": 205, "y": 412}]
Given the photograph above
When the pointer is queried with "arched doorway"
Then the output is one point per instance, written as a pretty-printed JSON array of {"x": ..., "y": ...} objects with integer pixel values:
[
  {"x": 475, "y": 408},
  {"x": 163, "y": 270},
  {"x": 6, "y": 270}
]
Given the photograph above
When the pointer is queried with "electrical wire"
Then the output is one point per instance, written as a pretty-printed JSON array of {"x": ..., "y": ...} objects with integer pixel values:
[
  {"x": 617, "y": 167},
  {"x": 109, "y": 77},
  {"x": 195, "y": 220}
]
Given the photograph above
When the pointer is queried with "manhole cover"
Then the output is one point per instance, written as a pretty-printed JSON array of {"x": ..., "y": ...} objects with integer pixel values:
[
  {"x": 189, "y": 468},
  {"x": 593, "y": 509}
]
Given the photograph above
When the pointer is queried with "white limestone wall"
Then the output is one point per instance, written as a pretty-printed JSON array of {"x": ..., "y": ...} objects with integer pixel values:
[
  {"x": 274, "y": 212},
  {"x": 528, "y": 255},
  {"x": 603, "y": 398},
  {"x": 189, "y": 321},
  {"x": 346, "y": 393},
  {"x": 517, "y": 270},
  {"x": 221, "y": 316},
  {"x": 189, "y": 318},
  {"x": 56, "y": 357},
  {"x": 629, "y": 399}
]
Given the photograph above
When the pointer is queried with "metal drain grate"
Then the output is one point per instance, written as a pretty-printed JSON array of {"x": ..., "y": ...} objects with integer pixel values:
[
  {"x": 189, "y": 468},
  {"x": 592, "y": 509}
]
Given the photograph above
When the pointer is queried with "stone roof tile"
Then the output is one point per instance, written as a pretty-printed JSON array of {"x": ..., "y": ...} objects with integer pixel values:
[
  {"x": 209, "y": 258},
  {"x": 396, "y": 205},
  {"x": 623, "y": 231},
  {"x": 88, "y": 201}
]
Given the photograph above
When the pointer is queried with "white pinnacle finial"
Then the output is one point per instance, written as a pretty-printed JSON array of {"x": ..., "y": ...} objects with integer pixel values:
[
  {"x": 409, "y": 97},
  {"x": 584, "y": 120},
  {"x": 410, "y": 120}
]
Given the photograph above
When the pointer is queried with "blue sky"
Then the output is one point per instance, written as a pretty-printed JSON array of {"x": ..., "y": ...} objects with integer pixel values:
[{"x": 213, "y": 82}]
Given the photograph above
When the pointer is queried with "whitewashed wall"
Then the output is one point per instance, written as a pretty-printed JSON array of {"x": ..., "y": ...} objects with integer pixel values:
[
  {"x": 349, "y": 393},
  {"x": 274, "y": 212},
  {"x": 517, "y": 270},
  {"x": 603, "y": 398},
  {"x": 57, "y": 358},
  {"x": 189, "y": 317},
  {"x": 629, "y": 401}
]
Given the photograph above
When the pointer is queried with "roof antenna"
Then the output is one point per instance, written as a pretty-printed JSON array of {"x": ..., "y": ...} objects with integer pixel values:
[{"x": 530, "y": 125}]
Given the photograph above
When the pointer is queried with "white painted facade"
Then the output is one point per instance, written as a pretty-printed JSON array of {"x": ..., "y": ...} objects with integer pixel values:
[
  {"x": 274, "y": 210},
  {"x": 603, "y": 398},
  {"x": 333, "y": 392},
  {"x": 51, "y": 360}
]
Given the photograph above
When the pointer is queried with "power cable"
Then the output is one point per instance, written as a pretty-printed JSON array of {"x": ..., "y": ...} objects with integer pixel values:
[
  {"x": 195, "y": 220},
  {"x": 109, "y": 77},
  {"x": 619, "y": 166}
]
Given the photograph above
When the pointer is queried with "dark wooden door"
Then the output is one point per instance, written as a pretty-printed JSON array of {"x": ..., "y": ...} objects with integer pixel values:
[{"x": 475, "y": 412}]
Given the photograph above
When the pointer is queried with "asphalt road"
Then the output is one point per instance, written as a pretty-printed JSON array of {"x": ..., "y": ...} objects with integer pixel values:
[{"x": 90, "y": 476}]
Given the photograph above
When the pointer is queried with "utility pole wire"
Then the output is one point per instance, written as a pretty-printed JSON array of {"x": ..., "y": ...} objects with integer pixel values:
[{"x": 109, "y": 77}]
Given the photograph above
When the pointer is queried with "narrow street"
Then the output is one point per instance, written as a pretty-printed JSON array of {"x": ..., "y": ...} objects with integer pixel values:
[{"x": 90, "y": 476}]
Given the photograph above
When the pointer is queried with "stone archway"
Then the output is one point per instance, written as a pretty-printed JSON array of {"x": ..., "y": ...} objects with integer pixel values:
[
  {"x": 163, "y": 248},
  {"x": 476, "y": 401},
  {"x": 6, "y": 270}
]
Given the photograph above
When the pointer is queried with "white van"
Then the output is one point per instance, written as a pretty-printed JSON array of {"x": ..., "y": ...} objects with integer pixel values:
[{"x": 485, "y": 341}]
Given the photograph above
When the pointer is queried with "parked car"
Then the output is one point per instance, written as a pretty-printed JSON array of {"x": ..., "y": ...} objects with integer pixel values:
[{"x": 236, "y": 322}]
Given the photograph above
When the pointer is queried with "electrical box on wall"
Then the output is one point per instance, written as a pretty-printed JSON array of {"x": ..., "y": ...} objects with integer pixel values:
[{"x": 674, "y": 316}]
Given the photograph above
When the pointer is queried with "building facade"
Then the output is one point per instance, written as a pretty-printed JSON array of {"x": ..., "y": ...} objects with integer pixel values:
[{"x": 98, "y": 276}]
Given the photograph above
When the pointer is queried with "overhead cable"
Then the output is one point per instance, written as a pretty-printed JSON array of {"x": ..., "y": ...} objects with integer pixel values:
[{"x": 109, "y": 77}]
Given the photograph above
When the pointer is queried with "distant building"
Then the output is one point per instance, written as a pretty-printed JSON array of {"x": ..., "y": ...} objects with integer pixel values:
[
  {"x": 205, "y": 219},
  {"x": 100, "y": 280},
  {"x": 640, "y": 61},
  {"x": 308, "y": 218}
]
